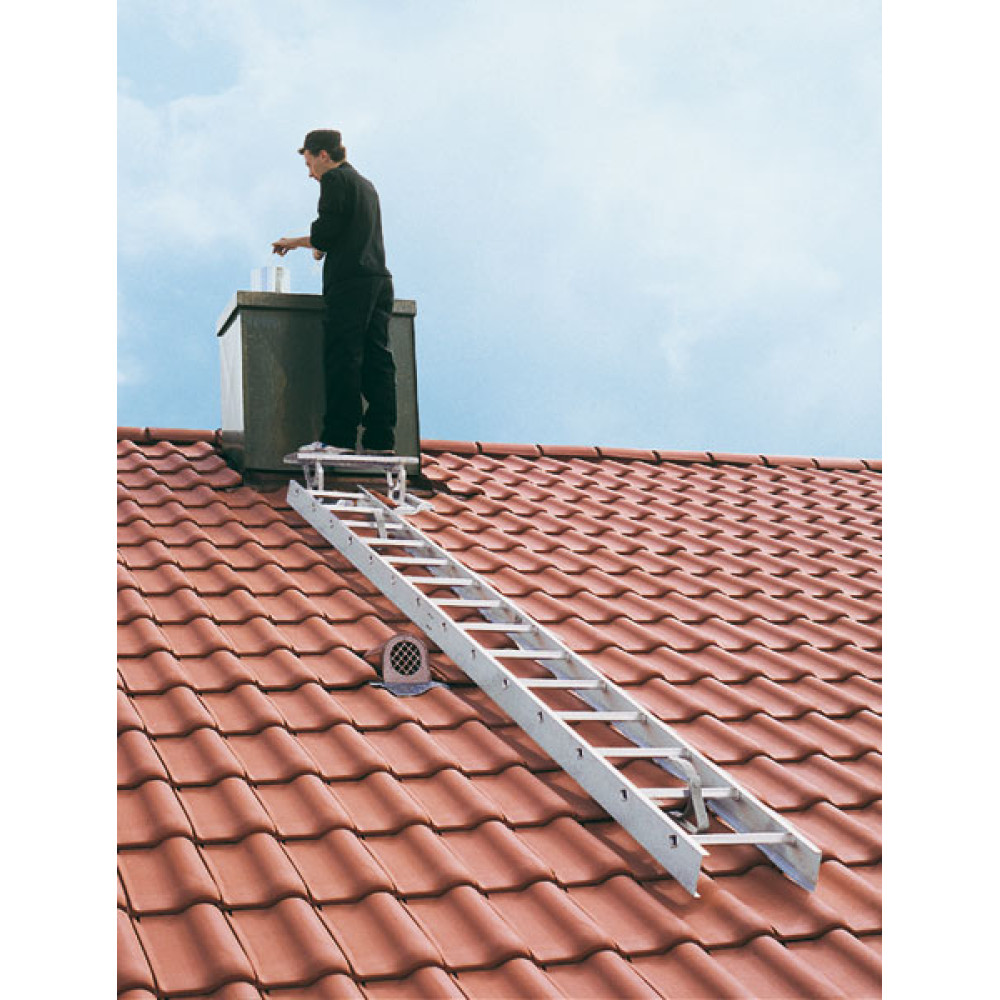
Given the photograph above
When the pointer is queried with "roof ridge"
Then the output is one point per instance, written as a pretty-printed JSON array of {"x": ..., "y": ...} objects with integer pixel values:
[
  {"x": 176, "y": 435},
  {"x": 658, "y": 456}
]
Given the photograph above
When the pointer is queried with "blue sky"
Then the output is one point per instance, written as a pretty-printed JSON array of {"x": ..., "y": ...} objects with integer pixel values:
[{"x": 646, "y": 224}]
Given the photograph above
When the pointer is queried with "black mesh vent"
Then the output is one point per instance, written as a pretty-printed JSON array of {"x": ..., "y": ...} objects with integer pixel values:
[{"x": 405, "y": 657}]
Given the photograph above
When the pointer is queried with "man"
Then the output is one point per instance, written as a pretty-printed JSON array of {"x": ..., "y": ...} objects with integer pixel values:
[{"x": 358, "y": 294}]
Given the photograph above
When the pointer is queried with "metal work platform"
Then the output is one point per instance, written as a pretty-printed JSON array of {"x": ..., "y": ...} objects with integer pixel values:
[
  {"x": 315, "y": 465},
  {"x": 585, "y": 722}
]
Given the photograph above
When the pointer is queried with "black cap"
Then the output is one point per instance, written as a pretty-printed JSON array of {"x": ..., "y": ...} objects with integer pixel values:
[{"x": 322, "y": 138}]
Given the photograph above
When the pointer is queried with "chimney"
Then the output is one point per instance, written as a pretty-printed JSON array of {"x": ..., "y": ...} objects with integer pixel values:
[{"x": 271, "y": 359}]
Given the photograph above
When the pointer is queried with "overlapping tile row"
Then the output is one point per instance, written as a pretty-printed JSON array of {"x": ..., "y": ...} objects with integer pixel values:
[{"x": 286, "y": 826}]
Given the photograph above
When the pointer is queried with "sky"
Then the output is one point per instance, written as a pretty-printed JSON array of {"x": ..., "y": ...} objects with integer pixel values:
[{"x": 641, "y": 224}]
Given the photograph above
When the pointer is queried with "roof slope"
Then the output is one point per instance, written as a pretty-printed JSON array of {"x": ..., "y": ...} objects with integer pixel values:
[{"x": 285, "y": 826}]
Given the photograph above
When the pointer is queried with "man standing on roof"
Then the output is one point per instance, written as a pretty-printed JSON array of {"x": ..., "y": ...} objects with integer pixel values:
[{"x": 358, "y": 294}]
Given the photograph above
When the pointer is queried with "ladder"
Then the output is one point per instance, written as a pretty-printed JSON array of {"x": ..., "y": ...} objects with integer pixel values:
[{"x": 584, "y": 721}]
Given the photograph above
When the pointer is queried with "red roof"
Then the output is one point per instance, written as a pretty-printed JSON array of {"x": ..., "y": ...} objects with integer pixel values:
[{"x": 286, "y": 826}]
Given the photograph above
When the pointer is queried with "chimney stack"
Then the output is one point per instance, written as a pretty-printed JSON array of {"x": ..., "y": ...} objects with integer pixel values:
[{"x": 271, "y": 360}]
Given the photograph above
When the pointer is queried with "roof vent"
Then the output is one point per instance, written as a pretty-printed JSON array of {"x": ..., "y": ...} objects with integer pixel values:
[{"x": 406, "y": 666}]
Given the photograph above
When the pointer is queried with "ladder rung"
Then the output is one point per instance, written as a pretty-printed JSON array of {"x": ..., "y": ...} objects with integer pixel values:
[
  {"x": 506, "y": 627},
  {"x": 373, "y": 525},
  {"x": 648, "y": 753},
  {"x": 600, "y": 716},
  {"x": 409, "y": 543},
  {"x": 528, "y": 654},
  {"x": 561, "y": 682},
  {"x": 415, "y": 561},
  {"x": 666, "y": 794},
  {"x": 464, "y": 602},
  {"x": 353, "y": 510},
  {"x": 336, "y": 494},
  {"x": 761, "y": 837},
  {"x": 442, "y": 581}
]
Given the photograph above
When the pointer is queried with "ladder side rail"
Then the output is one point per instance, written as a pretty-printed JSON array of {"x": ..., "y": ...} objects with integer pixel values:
[
  {"x": 678, "y": 851},
  {"x": 744, "y": 812}
]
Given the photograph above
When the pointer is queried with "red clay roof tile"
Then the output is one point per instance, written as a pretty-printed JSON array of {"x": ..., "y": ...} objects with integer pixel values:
[
  {"x": 193, "y": 951},
  {"x": 467, "y": 931},
  {"x": 691, "y": 972},
  {"x": 642, "y": 925},
  {"x": 138, "y": 761},
  {"x": 134, "y": 972},
  {"x": 767, "y": 967},
  {"x": 176, "y": 712},
  {"x": 846, "y": 961},
  {"x": 128, "y": 717},
  {"x": 254, "y": 871},
  {"x": 418, "y": 862},
  {"x": 499, "y": 858},
  {"x": 272, "y": 755},
  {"x": 553, "y": 926},
  {"x": 304, "y": 807},
  {"x": 517, "y": 977},
  {"x": 168, "y": 877},
  {"x": 341, "y": 753},
  {"x": 739, "y": 600},
  {"x": 337, "y": 868},
  {"x": 149, "y": 814},
  {"x": 361, "y": 929},
  {"x": 426, "y": 982},
  {"x": 242, "y": 709},
  {"x": 603, "y": 974},
  {"x": 288, "y": 943}
]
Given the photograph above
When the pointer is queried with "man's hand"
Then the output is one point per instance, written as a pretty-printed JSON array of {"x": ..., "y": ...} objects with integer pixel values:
[
  {"x": 286, "y": 243},
  {"x": 318, "y": 254}
]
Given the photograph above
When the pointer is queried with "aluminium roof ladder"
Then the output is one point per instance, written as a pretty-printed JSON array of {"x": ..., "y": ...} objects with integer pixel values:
[{"x": 551, "y": 692}]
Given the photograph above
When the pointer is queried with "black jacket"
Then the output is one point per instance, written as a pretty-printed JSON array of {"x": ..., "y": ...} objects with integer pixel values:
[{"x": 348, "y": 227}]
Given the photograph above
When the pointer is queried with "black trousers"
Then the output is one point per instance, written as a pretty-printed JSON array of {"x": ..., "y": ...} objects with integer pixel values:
[{"x": 359, "y": 363}]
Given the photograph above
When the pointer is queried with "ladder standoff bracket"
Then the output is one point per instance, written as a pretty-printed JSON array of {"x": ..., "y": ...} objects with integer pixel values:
[{"x": 314, "y": 465}]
